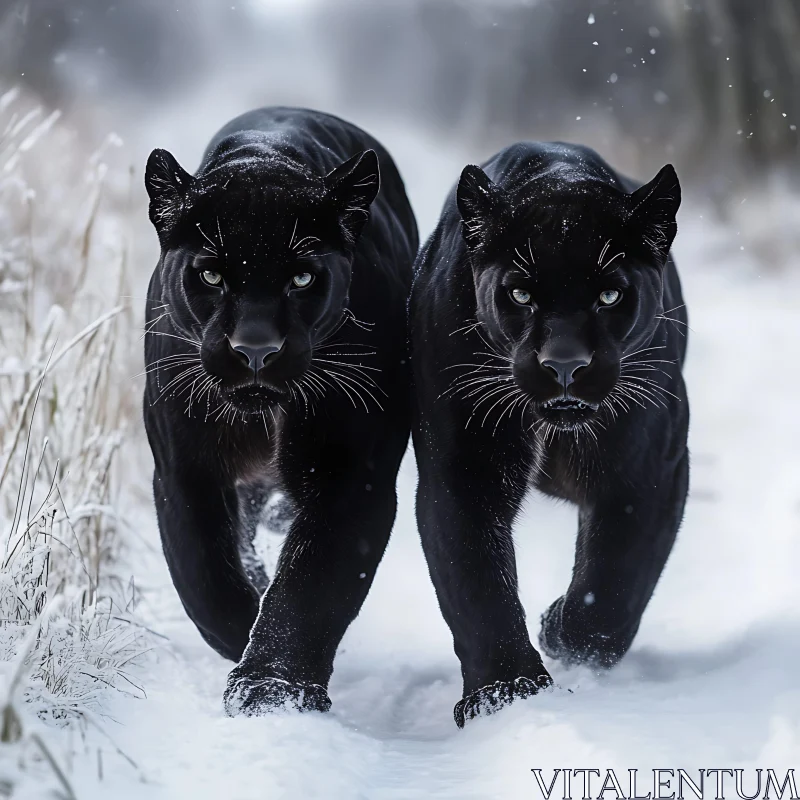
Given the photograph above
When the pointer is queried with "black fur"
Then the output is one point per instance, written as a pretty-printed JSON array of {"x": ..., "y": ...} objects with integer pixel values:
[
  {"x": 581, "y": 399},
  {"x": 282, "y": 194}
]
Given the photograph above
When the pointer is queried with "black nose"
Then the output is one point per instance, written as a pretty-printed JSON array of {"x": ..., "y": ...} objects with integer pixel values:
[
  {"x": 565, "y": 369},
  {"x": 256, "y": 356}
]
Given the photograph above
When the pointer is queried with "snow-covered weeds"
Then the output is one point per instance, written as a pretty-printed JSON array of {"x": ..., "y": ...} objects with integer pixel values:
[{"x": 68, "y": 632}]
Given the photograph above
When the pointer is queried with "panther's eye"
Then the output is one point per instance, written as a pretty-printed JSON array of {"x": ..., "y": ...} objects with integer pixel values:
[
  {"x": 521, "y": 296},
  {"x": 211, "y": 278},
  {"x": 610, "y": 297},
  {"x": 303, "y": 279}
]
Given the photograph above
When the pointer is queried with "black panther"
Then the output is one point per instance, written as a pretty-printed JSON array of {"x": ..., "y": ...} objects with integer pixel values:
[
  {"x": 547, "y": 340},
  {"x": 276, "y": 351}
]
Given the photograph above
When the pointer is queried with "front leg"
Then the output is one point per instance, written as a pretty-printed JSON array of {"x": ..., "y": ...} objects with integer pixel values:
[
  {"x": 469, "y": 494},
  {"x": 624, "y": 540},
  {"x": 344, "y": 491},
  {"x": 198, "y": 520}
]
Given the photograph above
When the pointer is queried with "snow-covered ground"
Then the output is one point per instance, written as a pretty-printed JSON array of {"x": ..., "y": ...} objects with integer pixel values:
[{"x": 711, "y": 682}]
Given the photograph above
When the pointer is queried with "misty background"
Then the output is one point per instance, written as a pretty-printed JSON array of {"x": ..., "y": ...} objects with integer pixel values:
[{"x": 711, "y": 85}]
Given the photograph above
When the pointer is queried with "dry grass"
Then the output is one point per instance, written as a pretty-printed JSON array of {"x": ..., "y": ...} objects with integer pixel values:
[{"x": 68, "y": 632}]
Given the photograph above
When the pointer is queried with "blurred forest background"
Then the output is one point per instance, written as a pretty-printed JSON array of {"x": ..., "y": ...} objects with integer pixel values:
[{"x": 709, "y": 84}]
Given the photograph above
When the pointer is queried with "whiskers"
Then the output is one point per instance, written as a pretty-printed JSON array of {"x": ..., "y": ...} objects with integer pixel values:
[
  {"x": 304, "y": 246},
  {"x": 602, "y": 263},
  {"x": 636, "y": 384},
  {"x": 226, "y": 413},
  {"x": 328, "y": 370},
  {"x": 211, "y": 245},
  {"x": 489, "y": 385},
  {"x": 191, "y": 383},
  {"x": 583, "y": 431},
  {"x": 336, "y": 366},
  {"x": 175, "y": 333},
  {"x": 521, "y": 259},
  {"x": 680, "y": 325}
]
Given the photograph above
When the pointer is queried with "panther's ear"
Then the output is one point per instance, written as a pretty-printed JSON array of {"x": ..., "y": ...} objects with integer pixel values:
[
  {"x": 481, "y": 202},
  {"x": 653, "y": 211},
  {"x": 351, "y": 188},
  {"x": 167, "y": 183}
]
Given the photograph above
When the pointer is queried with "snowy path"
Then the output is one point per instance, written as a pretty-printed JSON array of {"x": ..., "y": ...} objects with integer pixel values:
[{"x": 712, "y": 680}]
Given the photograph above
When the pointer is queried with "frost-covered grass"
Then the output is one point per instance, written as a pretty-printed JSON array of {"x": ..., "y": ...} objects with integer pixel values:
[{"x": 68, "y": 632}]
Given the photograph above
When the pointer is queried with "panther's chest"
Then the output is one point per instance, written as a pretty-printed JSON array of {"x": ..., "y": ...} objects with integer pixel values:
[
  {"x": 249, "y": 450},
  {"x": 566, "y": 468}
]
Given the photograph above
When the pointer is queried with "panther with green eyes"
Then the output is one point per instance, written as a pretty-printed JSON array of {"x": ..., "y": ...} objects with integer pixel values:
[
  {"x": 548, "y": 334},
  {"x": 276, "y": 360}
]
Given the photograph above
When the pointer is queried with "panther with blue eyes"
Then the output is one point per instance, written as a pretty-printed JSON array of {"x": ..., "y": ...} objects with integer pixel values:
[
  {"x": 277, "y": 361},
  {"x": 548, "y": 333}
]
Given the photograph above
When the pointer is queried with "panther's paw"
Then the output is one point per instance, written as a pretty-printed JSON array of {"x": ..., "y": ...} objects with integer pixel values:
[
  {"x": 254, "y": 697},
  {"x": 490, "y": 699},
  {"x": 576, "y": 640},
  {"x": 550, "y": 641}
]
